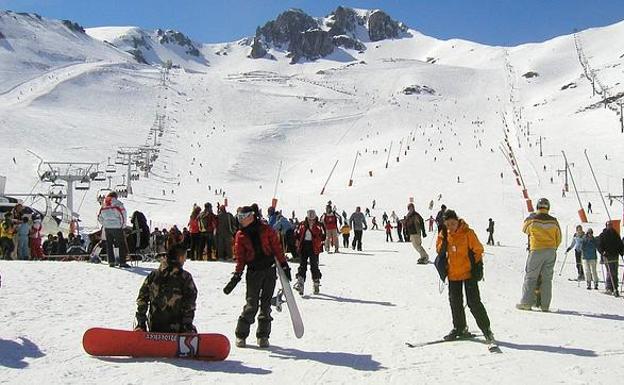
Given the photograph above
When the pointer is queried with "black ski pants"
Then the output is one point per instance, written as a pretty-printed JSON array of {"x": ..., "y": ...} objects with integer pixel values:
[
  {"x": 307, "y": 253},
  {"x": 357, "y": 240},
  {"x": 490, "y": 240},
  {"x": 196, "y": 251},
  {"x": 116, "y": 237},
  {"x": 260, "y": 288},
  {"x": 612, "y": 274},
  {"x": 345, "y": 241},
  {"x": 206, "y": 244},
  {"x": 579, "y": 263},
  {"x": 473, "y": 298},
  {"x": 389, "y": 236}
]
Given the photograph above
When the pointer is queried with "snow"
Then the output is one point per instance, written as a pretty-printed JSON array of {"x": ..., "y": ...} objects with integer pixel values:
[{"x": 68, "y": 96}]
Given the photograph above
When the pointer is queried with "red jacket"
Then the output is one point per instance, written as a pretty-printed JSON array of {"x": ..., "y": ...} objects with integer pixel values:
[
  {"x": 317, "y": 236},
  {"x": 330, "y": 221},
  {"x": 244, "y": 251},
  {"x": 194, "y": 225}
]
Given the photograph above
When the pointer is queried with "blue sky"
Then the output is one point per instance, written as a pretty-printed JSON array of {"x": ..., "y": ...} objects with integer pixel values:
[{"x": 495, "y": 22}]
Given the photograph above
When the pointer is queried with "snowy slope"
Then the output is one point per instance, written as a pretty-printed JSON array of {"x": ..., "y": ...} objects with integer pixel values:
[{"x": 228, "y": 126}]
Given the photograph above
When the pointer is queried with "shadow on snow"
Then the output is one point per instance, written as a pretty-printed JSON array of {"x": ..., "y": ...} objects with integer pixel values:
[
  {"x": 228, "y": 366},
  {"x": 12, "y": 353},
  {"x": 363, "y": 362},
  {"x": 328, "y": 297},
  {"x": 549, "y": 349},
  {"x": 612, "y": 317}
]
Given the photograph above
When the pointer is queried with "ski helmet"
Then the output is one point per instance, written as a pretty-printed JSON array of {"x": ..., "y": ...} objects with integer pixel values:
[{"x": 543, "y": 203}]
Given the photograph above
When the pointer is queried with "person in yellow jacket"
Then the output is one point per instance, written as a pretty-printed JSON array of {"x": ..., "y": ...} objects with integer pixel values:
[
  {"x": 544, "y": 238},
  {"x": 7, "y": 236},
  {"x": 463, "y": 252},
  {"x": 345, "y": 230}
]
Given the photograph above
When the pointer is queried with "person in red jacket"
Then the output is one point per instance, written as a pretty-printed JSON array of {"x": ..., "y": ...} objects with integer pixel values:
[
  {"x": 257, "y": 247},
  {"x": 193, "y": 226},
  {"x": 330, "y": 220},
  {"x": 310, "y": 236}
]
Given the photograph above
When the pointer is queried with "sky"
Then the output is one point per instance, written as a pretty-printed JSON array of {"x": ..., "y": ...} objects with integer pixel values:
[{"x": 492, "y": 22}]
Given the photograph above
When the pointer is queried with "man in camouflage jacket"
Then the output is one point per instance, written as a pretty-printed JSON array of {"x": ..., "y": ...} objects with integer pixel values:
[{"x": 170, "y": 295}]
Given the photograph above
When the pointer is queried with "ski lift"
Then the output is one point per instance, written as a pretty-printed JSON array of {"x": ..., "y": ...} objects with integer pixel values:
[
  {"x": 110, "y": 168},
  {"x": 100, "y": 176},
  {"x": 83, "y": 185},
  {"x": 57, "y": 184},
  {"x": 119, "y": 160}
]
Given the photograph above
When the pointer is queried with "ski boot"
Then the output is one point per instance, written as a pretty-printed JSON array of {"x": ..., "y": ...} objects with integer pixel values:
[
  {"x": 455, "y": 334},
  {"x": 263, "y": 342},
  {"x": 523, "y": 306},
  {"x": 317, "y": 285},
  {"x": 278, "y": 300},
  {"x": 423, "y": 260},
  {"x": 489, "y": 337},
  {"x": 240, "y": 342},
  {"x": 298, "y": 286}
]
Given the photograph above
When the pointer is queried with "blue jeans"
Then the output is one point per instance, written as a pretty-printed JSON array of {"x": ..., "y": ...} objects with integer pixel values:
[{"x": 23, "y": 249}]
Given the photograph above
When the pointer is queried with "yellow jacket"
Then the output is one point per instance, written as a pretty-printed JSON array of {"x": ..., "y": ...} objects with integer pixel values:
[
  {"x": 345, "y": 229},
  {"x": 543, "y": 231},
  {"x": 6, "y": 231}
]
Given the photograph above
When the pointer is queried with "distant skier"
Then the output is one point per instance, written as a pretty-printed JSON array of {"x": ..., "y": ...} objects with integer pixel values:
[
  {"x": 367, "y": 211},
  {"x": 399, "y": 228},
  {"x": 490, "y": 231},
  {"x": 309, "y": 240},
  {"x": 207, "y": 225},
  {"x": 394, "y": 217},
  {"x": 384, "y": 218},
  {"x": 257, "y": 246},
  {"x": 460, "y": 244},
  {"x": 589, "y": 208},
  {"x": 430, "y": 221},
  {"x": 577, "y": 245},
  {"x": 544, "y": 238},
  {"x": 389, "y": 232},
  {"x": 374, "y": 203},
  {"x": 416, "y": 228},
  {"x": 439, "y": 218},
  {"x": 357, "y": 222},
  {"x": 374, "y": 223},
  {"x": 168, "y": 296},
  {"x": 610, "y": 247}
]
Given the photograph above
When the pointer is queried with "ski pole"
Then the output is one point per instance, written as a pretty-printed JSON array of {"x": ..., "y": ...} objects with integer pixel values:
[{"x": 563, "y": 264}]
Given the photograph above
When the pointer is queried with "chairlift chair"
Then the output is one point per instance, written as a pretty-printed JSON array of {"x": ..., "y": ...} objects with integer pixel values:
[
  {"x": 100, "y": 176},
  {"x": 119, "y": 160}
]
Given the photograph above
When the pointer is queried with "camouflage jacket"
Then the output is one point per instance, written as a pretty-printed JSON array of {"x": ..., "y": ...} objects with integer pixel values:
[{"x": 170, "y": 295}]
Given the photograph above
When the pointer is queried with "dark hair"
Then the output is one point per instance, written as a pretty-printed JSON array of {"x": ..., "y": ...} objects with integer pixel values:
[
  {"x": 443, "y": 207},
  {"x": 25, "y": 219},
  {"x": 449, "y": 214},
  {"x": 176, "y": 250},
  {"x": 113, "y": 194}
]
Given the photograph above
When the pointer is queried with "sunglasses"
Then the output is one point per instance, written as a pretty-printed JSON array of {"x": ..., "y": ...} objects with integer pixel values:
[{"x": 242, "y": 216}]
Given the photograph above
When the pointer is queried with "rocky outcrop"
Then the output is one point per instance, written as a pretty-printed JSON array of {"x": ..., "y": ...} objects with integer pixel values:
[
  {"x": 311, "y": 44},
  {"x": 381, "y": 26},
  {"x": 175, "y": 37},
  {"x": 257, "y": 49},
  {"x": 73, "y": 26},
  {"x": 309, "y": 38}
]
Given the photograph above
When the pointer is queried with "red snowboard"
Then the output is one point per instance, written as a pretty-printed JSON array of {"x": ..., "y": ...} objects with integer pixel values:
[{"x": 110, "y": 342}]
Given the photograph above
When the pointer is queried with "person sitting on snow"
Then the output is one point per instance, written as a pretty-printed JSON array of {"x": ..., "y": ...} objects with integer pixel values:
[{"x": 169, "y": 293}]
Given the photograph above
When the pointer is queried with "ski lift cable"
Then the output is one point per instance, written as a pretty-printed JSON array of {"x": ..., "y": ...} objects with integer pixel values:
[{"x": 83, "y": 198}]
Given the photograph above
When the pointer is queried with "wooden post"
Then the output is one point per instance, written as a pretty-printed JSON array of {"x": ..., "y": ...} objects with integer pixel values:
[{"x": 330, "y": 174}]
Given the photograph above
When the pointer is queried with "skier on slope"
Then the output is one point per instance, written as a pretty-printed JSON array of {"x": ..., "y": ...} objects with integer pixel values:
[
  {"x": 169, "y": 294},
  {"x": 610, "y": 247},
  {"x": 490, "y": 231},
  {"x": 357, "y": 221},
  {"x": 256, "y": 246},
  {"x": 589, "y": 246},
  {"x": 439, "y": 218},
  {"x": 460, "y": 243},
  {"x": 310, "y": 235},
  {"x": 544, "y": 238},
  {"x": 577, "y": 245},
  {"x": 415, "y": 225}
]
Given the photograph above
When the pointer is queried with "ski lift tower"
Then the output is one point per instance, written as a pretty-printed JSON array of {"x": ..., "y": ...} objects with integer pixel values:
[
  {"x": 130, "y": 154},
  {"x": 79, "y": 173}
]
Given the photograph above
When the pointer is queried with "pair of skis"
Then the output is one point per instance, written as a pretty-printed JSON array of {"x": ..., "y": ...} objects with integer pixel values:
[{"x": 492, "y": 347}]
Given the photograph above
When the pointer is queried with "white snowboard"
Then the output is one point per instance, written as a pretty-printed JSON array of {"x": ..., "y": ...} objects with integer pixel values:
[{"x": 295, "y": 316}]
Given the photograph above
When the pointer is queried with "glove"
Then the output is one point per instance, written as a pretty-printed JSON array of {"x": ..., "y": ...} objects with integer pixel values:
[
  {"x": 424, "y": 235},
  {"x": 286, "y": 269},
  {"x": 141, "y": 327},
  {"x": 236, "y": 277}
]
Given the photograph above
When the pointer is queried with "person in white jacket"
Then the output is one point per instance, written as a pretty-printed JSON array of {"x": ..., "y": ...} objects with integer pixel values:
[{"x": 112, "y": 217}]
